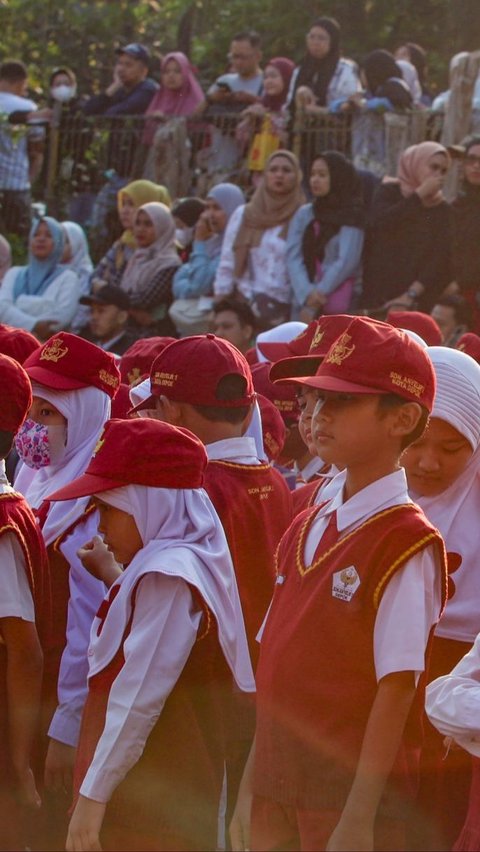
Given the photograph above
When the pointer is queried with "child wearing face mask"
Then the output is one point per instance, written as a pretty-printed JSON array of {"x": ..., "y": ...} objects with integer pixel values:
[
  {"x": 443, "y": 470},
  {"x": 73, "y": 384},
  {"x": 24, "y": 616}
]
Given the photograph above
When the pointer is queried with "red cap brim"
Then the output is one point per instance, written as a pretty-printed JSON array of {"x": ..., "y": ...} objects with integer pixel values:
[
  {"x": 331, "y": 383},
  {"x": 301, "y": 365},
  {"x": 149, "y": 402},
  {"x": 274, "y": 351},
  {"x": 53, "y": 380},
  {"x": 85, "y": 486}
]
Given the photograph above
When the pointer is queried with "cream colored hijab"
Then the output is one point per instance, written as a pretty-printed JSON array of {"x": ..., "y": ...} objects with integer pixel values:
[{"x": 161, "y": 254}]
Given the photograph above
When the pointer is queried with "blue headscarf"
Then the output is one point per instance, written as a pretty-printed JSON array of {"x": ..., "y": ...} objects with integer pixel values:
[
  {"x": 34, "y": 278},
  {"x": 228, "y": 196}
]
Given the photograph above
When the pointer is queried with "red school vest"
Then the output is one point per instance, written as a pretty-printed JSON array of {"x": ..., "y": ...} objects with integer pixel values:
[
  {"x": 255, "y": 508},
  {"x": 316, "y": 678},
  {"x": 169, "y": 799}
]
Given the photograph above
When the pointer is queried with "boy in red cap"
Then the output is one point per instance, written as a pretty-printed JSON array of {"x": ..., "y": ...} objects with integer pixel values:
[
  {"x": 165, "y": 645},
  {"x": 338, "y": 703},
  {"x": 24, "y": 616}
]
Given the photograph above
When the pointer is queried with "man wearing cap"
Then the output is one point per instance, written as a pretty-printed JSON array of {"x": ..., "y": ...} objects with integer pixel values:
[
  {"x": 24, "y": 616},
  {"x": 108, "y": 326},
  {"x": 131, "y": 90},
  {"x": 361, "y": 582}
]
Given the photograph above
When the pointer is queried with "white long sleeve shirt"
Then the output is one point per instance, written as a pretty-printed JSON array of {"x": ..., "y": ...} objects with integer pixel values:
[
  {"x": 58, "y": 303},
  {"x": 453, "y": 702}
]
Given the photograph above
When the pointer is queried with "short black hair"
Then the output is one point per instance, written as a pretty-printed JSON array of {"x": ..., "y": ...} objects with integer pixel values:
[
  {"x": 6, "y": 443},
  {"x": 249, "y": 35},
  {"x": 386, "y": 401},
  {"x": 13, "y": 71},
  {"x": 229, "y": 388},
  {"x": 461, "y": 308},
  {"x": 237, "y": 306}
]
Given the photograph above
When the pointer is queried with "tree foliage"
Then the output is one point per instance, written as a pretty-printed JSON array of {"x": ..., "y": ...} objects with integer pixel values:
[{"x": 83, "y": 33}]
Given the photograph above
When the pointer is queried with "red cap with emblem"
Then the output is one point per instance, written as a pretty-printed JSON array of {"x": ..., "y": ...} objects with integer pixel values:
[
  {"x": 374, "y": 357},
  {"x": 274, "y": 430},
  {"x": 16, "y": 393},
  {"x": 470, "y": 344},
  {"x": 175, "y": 459},
  {"x": 298, "y": 346},
  {"x": 420, "y": 323},
  {"x": 190, "y": 369},
  {"x": 136, "y": 362},
  {"x": 328, "y": 328},
  {"x": 67, "y": 362}
]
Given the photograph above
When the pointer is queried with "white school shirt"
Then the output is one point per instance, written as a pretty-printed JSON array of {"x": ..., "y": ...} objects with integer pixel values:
[
  {"x": 305, "y": 473},
  {"x": 266, "y": 268},
  {"x": 452, "y": 702},
  {"x": 411, "y": 604},
  {"x": 239, "y": 450},
  {"x": 58, "y": 303},
  {"x": 86, "y": 595},
  {"x": 15, "y": 596},
  {"x": 164, "y": 630}
]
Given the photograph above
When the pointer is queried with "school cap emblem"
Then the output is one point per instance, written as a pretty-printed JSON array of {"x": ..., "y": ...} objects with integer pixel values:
[
  {"x": 317, "y": 339},
  {"x": 99, "y": 445},
  {"x": 341, "y": 350},
  {"x": 54, "y": 350},
  {"x": 345, "y": 583}
]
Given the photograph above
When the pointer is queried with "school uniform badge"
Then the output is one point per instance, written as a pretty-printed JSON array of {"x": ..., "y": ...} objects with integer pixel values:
[{"x": 345, "y": 583}]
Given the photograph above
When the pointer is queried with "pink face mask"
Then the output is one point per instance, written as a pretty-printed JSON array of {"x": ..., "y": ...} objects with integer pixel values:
[{"x": 39, "y": 445}]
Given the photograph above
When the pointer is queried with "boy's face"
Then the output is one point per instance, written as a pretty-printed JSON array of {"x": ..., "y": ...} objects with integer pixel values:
[
  {"x": 348, "y": 429},
  {"x": 437, "y": 459},
  {"x": 307, "y": 400},
  {"x": 120, "y": 532}
]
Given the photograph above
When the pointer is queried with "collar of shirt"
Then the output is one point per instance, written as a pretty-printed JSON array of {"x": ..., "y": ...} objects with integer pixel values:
[
  {"x": 104, "y": 344},
  {"x": 388, "y": 491},
  {"x": 240, "y": 450},
  {"x": 5, "y": 486},
  {"x": 311, "y": 468}
]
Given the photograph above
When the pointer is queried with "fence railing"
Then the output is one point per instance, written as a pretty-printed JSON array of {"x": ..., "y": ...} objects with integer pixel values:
[{"x": 84, "y": 156}]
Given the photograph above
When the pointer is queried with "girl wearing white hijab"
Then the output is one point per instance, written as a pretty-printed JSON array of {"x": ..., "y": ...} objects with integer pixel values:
[
  {"x": 76, "y": 256},
  {"x": 443, "y": 470},
  {"x": 164, "y": 647},
  {"x": 149, "y": 273},
  {"x": 73, "y": 382}
]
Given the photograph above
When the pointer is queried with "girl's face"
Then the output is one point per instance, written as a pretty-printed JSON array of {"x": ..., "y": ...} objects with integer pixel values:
[
  {"x": 471, "y": 165},
  {"x": 280, "y": 176},
  {"x": 67, "y": 251},
  {"x": 216, "y": 216},
  {"x": 127, "y": 211},
  {"x": 273, "y": 81},
  {"x": 307, "y": 400},
  {"x": 60, "y": 79},
  {"x": 318, "y": 42},
  {"x": 320, "y": 178},
  {"x": 144, "y": 230},
  {"x": 172, "y": 76},
  {"x": 45, "y": 413},
  {"x": 437, "y": 166},
  {"x": 119, "y": 531},
  {"x": 437, "y": 459},
  {"x": 41, "y": 244}
]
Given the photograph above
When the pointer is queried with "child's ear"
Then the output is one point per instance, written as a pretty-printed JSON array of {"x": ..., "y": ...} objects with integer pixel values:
[{"x": 406, "y": 419}]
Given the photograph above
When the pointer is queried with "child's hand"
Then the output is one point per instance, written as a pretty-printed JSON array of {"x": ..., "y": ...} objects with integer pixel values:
[
  {"x": 98, "y": 561},
  {"x": 59, "y": 765},
  {"x": 85, "y": 825}
]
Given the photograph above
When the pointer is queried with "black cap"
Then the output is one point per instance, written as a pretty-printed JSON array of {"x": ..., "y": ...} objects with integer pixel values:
[
  {"x": 108, "y": 295},
  {"x": 136, "y": 51}
]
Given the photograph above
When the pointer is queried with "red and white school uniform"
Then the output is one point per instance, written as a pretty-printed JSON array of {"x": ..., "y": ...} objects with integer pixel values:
[
  {"x": 164, "y": 646},
  {"x": 383, "y": 568}
]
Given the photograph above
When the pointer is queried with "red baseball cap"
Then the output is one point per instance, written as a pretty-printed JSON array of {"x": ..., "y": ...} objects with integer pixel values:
[
  {"x": 283, "y": 397},
  {"x": 190, "y": 369},
  {"x": 374, "y": 357},
  {"x": 121, "y": 404},
  {"x": 327, "y": 329},
  {"x": 175, "y": 459},
  {"x": 68, "y": 362},
  {"x": 274, "y": 430},
  {"x": 17, "y": 343},
  {"x": 136, "y": 361},
  {"x": 16, "y": 392},
  {"x": 422, "y": 324},
  {"x": 298, "y": 346},
  {"x": 470, "y": 344}
]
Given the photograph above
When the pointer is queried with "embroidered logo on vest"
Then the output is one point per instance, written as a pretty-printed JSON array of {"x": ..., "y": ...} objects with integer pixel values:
[
  {"x": 345, "y": 583},
  {"x": 340, "y": 350},
  {"x": 54, "y": 351},
  {"x": 316, "y": 340}
]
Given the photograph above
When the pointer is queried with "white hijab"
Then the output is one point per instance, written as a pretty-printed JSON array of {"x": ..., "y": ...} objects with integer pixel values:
[
  {"x": 456, "y": 511},
  {"x": 183, "y": 537},
  {"x": 86, "y": 410},
  {"x": 80, "y": 262}
]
